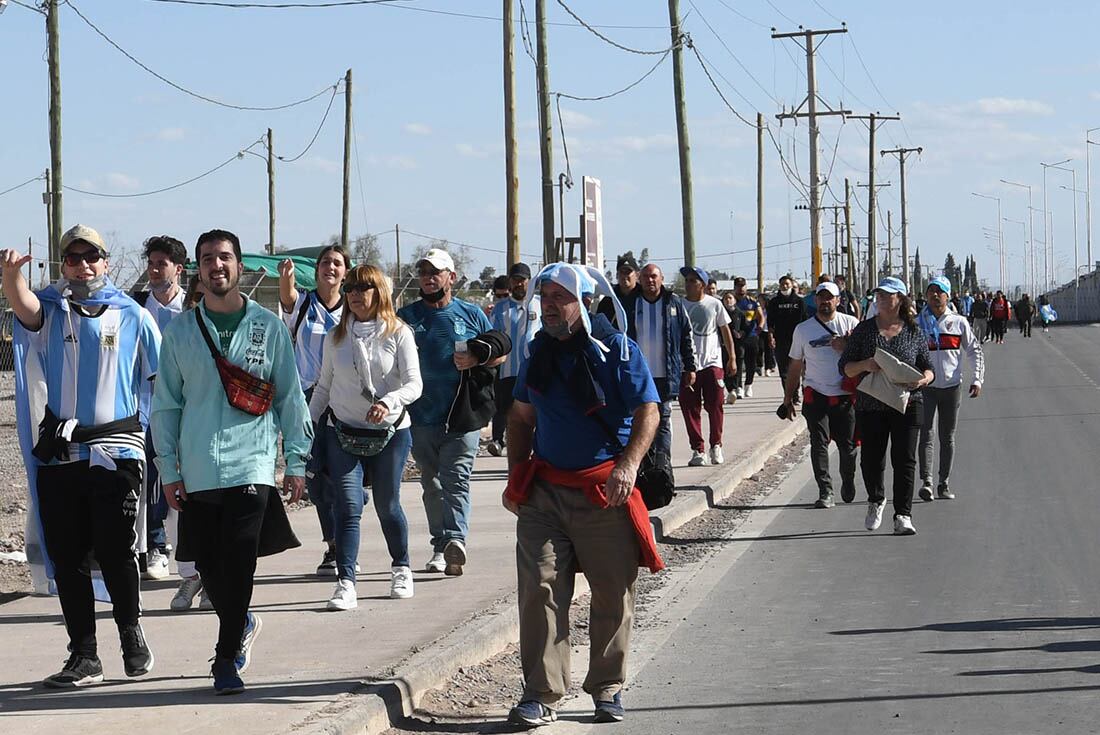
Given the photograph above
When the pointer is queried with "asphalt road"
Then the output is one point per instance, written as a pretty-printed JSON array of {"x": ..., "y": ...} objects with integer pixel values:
[{"x": 986, "y": 621}]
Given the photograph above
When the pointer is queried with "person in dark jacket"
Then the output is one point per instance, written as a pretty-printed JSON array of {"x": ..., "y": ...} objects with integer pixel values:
[
  {"x": 1025, "y": 313},
  {"x": 659, "y": 323},
  {"x": 626, "y": 289},
  {"x": 786, "y": 310},
  {"x": 739, "y": 325}
]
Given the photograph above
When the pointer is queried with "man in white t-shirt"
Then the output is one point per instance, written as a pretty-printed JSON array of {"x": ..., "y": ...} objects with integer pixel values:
[
  {"x": 827, "y": 406},
  {"x": 709, "y": 324}
]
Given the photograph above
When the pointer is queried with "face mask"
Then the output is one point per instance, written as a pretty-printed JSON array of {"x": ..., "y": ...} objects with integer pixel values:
[
  {"x": 558, "y": 331},
  {"x": 160, "y": 287},
  {"x": 785, "y": 291},
  {"x": 434, "y": 297},
  {"x": 82, "y": 290}
]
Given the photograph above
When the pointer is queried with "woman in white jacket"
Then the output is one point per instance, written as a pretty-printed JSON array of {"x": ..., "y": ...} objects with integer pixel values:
[{"x": 370, "y": 372}]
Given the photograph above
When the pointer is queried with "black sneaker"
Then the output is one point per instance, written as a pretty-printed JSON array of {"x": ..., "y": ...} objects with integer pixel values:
[
  {"x": 610, "y": 711},
  {"x": 227, "y": 680},
  {"x": 848, "y": 492},
  {"x": 327, "y": 567},
  {"x": 78, "y": 671},
  {"x": 825, "y": 501},
  {"x": 137, "y": 659}
]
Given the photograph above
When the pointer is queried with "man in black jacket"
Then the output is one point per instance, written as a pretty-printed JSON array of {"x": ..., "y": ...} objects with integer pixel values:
[
  {"x": 659, "y": 323},
  {"x": 786, "y": 310},
  {"x": 626, "y": 290}
]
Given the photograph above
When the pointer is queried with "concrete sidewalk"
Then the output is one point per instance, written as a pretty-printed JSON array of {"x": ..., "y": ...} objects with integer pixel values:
[{"x": 315, "y": 671}]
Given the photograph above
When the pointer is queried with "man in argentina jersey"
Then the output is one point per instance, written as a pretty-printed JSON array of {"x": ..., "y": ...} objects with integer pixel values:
[
  {"x": 84, "y": 354},
  {"x": 309, "y": 315},
  {"x": 165, "y": 258},
  {"x": 520, "y": 323}
]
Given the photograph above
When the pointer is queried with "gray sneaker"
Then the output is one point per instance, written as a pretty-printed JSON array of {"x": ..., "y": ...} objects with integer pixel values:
[
  {"x": 925, "y": 492},
  {"x": 825, "y": 501},
  {"x": 185, "y": 594},
  {"x": 454, "y": 554},
  {"x": 945, "y": 493}
]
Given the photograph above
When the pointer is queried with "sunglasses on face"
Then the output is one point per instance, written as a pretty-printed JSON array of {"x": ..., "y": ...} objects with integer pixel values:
[
  {"x": 89, "y": 256},
  {"x": 357, "y": 287}
]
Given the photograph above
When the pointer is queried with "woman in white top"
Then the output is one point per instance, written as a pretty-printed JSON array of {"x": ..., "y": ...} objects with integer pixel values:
[{"x": 370, "y": 372}]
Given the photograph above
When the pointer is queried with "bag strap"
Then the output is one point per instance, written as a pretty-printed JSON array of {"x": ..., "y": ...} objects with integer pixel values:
[
  {"x": 206, "y": 334},
  {"x": 302, "y": 311}
]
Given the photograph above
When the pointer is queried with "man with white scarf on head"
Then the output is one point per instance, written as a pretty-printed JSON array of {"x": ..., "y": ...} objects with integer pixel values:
[{"x": 585, "y": 413}]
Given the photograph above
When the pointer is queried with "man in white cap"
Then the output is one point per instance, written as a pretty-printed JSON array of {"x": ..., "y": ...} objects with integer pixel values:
[
  {"x": 949, "y": 336},
  {"x": 585, "y": 413},
  {"x": 86, "y": 354},
  {"x": 827, "y": 407},
  {"x": 446, "y": 430}
]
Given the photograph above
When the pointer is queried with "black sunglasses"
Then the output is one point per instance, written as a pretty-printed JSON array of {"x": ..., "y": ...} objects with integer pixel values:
[
  {"x": 357, "y": 287},
  {"x": 89, "y": 256}
]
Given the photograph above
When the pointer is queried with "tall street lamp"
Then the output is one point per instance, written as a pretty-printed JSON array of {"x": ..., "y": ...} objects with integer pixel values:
[
  {"x": 1076, "y": 264},
  {"x": 1048, "y": 262},
  {"x": 1023, "y": 228},
  {"x": 1088, "y": 197},
  {"x": 1000, "y": 233},
  {"x": 1031, "y": 228}
]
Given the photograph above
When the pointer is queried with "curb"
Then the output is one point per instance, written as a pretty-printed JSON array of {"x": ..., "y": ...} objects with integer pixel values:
[{"x": 379, "y": 705}]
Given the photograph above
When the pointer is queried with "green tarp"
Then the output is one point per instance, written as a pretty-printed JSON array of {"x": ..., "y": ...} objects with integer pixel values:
[{"x": 304, "y": 267}]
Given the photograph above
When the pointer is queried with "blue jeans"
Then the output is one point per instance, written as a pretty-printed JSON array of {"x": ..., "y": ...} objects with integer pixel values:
[
  {"x": 445, "y": 462},
  {"x": 319, "y": 482},
  {"x": 662, "y": 442},
  {"x": 385, "y": 470}
]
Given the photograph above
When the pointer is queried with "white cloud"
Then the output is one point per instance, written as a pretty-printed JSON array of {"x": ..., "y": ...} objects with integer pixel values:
[
  {"x": 643, "y": 143},
  {"x": 577, "y": 120},
  {"x": 416, "y": 128},
  {"x": 324, "y": 165},
  {"x": 1006, "y": 106},
  {"x": 469, "y": 150},
  {"x": 401, "y": 163},
  {"x": 171, "y": 135},
  {"x": 115, "y": 180}
]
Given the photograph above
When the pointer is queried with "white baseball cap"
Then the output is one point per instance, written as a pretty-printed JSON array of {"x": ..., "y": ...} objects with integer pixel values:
[
  {"x": 440, "y": 259},
  {"x": 828, "y": 286}
]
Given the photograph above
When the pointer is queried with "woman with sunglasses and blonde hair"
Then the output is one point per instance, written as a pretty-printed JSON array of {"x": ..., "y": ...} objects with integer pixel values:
[{"x": 370, "y": 373}]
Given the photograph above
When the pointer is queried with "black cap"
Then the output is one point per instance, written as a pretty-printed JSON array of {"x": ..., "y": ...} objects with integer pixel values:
[
  {"x": 500, "y": 283},
  {"x": 519, "y": 270},
  {"x": 627, "y": 260}
]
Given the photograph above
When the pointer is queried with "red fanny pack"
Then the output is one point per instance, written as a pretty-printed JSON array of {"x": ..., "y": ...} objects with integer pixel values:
[{"x": 243, "y": 390}]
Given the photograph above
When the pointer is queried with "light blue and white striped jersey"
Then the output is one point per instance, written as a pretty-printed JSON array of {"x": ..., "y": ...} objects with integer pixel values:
[
  {"x": 309, "y": 342},
  {"x": 514, "y": 319},
  {"x": 649, "y": 322},
  {"x": 95, "y": 368},
  {"x": 163, "y": 313}
]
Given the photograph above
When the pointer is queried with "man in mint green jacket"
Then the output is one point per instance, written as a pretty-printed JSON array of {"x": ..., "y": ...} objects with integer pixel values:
[{"x": 217, "y": 461}]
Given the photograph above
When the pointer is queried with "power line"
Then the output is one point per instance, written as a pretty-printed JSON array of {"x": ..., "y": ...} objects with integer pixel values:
[
  {"x": 627, "y": 88},
  {"x": 28, "y": 7},
  {"x": 273, "y": 6},
  {"x": 786, "y": 17},
  {"x": 740, "y": 15},
  {"x": 565, "y": 146},
  {"x": 317, "y": 132},
  {"x": 20, "y": 186},
  {"x": 732, "y": 55},
  {"x": 714, "y": 84},
  {"x": 463, "y": 244},
  {"x": 736, "y": 252},
  {"x": 186, "y": 91},
  {"x": 605, "y": 39},
  {"x": 826, "y": 11},
  {"x": 359, "y": 171},
  {"x": 238, "y": 155}
]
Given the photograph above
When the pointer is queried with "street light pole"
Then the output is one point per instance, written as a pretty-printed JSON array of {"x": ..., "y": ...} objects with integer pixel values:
[
  {"x": 1088, "y": 199},
  {"x": 1031, "y": 236},
  {"x": 1000, "y": 233},
  {"x": 1048, "y": 244}
]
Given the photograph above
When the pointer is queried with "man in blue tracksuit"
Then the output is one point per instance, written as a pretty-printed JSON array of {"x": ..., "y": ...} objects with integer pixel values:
[{"x": 659, "y": 323}]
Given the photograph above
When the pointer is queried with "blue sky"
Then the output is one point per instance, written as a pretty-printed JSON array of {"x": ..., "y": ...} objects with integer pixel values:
[{"x": 988, "y": 89}]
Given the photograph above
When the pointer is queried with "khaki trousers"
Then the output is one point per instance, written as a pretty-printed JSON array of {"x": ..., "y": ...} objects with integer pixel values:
[{"x": 559, "y": 532}]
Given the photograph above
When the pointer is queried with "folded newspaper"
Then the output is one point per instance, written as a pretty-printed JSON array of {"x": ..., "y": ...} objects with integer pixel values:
[{"x": 889, "y": 384}]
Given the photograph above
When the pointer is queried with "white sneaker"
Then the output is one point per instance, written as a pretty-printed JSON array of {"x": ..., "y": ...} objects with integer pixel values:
[
  {"x": 436, "y": 563},
  {"x": 748, "y": 391},
  {"x": 874, "y": 515},
  {"x": 903, "y": 526},
  {"x": 925, "y": 492},
  {"x": 716, "y": 454},
  {"x": 156, "y": 565},
  {"x": 698, "y": 459},
  {"x": 401, "y": 583},
  {"x": 740, "y": 392},
  {"x": 343, "y": 596},
  {"x": 185, "y": 595},
  {"x": 454, "y": 554}
]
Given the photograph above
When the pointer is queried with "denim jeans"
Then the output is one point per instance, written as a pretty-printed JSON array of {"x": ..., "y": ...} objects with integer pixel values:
[
  {"x": 319, "y": 483},
  {"x": 384, "y": 470},
  {"x": 445, "y": 462},
  {"x": 941, "y": 404},
  {"x": 662, "y": 442}
]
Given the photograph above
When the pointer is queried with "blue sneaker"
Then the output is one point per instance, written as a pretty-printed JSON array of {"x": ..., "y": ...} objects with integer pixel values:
[
  {"x": 226, "y": 678},
  {"x": 248, "y": 637},
  {"x": 610, "y": 711},
  {"x": 531, "y": 713}
]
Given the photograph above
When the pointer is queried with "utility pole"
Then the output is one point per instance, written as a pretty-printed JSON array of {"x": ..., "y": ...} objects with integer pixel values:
[
  {"x": 510, "y": 147},
  {"x": 901, "y": 153},
  {"x": 682, "y": 132},
  {"x": 47, "y": 199},
  {"x": 890, "y": 242},
  {"x": 760, "y": 204},
  {"x": 53, "y": 57},
  {"x": 873, "y": 121},
  {"x": 546, "y": 135},
  {"x": 347, "y": 163},
  {"x": 400, "y": 277},
  {"x": 270, "y": 192},
  {"x": 812, "y": 113},
  {"x": 853, "y": 277}
]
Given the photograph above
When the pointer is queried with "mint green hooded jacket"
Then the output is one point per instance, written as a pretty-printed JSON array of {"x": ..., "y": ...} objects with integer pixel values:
[{"x": 199, "y": 437}]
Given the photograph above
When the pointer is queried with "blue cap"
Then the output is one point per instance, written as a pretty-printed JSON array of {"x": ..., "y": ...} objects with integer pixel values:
[
  {"x": 696, "y": 272},
  {"x": 891, "y": 285},
  {"x": 941, "y": 283}
]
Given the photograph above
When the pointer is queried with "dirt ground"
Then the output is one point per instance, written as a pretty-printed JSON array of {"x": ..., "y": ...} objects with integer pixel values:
[
  {"x": 15, "y": 577},
  {"x": 477, "y": 699}
]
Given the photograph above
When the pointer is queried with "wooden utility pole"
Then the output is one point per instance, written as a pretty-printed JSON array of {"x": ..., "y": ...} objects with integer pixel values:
[
  {"x": 53, "y": 57},
  {"x": 399, "y": 279},
  {"x": 270, "y": 192},
  {"x": 760, "y": 204},
  {"x": 686, "y": 206},
  {"x": 853, "y": 275},
  {"x": 47, "y": 199},
  {"x": 510, "y": 145},
  {"x": 812, "y": 113},
  {"x": 889, "y": 242},
  {"x": 901, "y": 153},
  {"x": 546, "y": 135},
  {"x": 873, "y": 121},
  {"x": 347, "y": 161}
]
